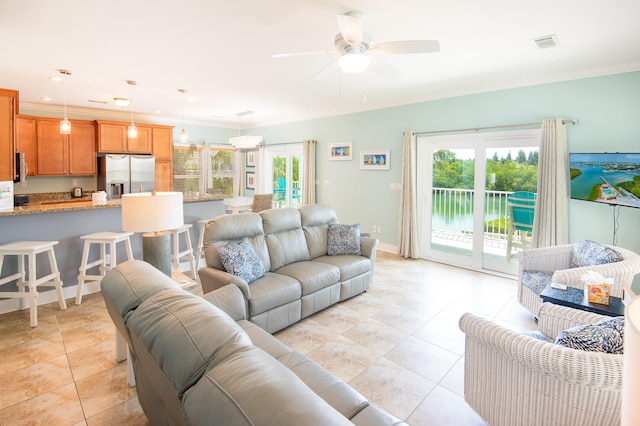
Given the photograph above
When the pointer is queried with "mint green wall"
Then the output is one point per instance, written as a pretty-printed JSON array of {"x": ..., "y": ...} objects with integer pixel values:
[{"x": 608, "y": 108}]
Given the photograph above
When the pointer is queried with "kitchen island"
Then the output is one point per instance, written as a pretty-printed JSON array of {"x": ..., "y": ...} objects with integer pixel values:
[{"x": 66, "y": 221}]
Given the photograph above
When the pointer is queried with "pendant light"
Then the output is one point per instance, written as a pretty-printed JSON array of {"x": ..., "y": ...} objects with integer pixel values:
[
  {"x": 132, "y": 130},
  {"x": 183, "y": 132},
  {"x": 65, "y": 124}
]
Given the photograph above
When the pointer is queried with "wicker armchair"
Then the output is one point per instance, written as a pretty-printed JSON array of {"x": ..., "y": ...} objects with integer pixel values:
[
  {"x": 513, "y": 379},
  {"x": 557, "y": 259}
]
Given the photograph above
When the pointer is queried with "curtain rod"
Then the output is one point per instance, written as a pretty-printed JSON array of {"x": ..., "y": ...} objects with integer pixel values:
[
  {"x": 266, "y": 145},
  {"x": 475, "y": 129}
]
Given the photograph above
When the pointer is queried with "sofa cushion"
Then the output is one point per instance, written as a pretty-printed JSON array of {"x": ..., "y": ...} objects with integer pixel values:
[
  {"x": 284, "y": 237},
  {"x": 271, "y": 291},
  {"x": 536, "y": 281},
  {"x": 240, "y": 259},
  {"x": 343, "y": 239},
  {"x": 237, "y": 392},
  {"x": 315, "y": 223},
  {"x": 591, "y": 253},
  {"x": 604, "y": 336},
  {"x": 349, "y": 266},
  {"x": 184, "y": 334},
  {"x": 312, "y": 276}
]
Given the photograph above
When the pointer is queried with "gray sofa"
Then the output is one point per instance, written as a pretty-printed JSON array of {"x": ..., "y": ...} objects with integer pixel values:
[
  {"x": 301, "y": 279},
  {"x": 198, "y": 361}
]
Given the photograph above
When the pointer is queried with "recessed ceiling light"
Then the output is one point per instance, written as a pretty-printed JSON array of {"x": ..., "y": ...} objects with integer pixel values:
[
  {"x": 46, "y": 99},
  {"x": 55, "y": 79},
  {"x": 123, "y": 102},
  {"x": 157, "y": 111}
]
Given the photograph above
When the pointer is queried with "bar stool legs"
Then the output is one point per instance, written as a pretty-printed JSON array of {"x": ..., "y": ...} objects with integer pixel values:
[
  {"x": 28, "y": 280},
  {"x": 200, "y": 248},
  {"x": 187, "y": 253},
  {"x": 103, "y": 239}
]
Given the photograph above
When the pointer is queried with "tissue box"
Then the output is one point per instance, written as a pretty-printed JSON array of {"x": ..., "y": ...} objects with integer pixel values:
[{"x": 598, "y": 293}]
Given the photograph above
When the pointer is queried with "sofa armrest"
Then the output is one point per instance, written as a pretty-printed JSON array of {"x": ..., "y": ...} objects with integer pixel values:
[
  {"x": 552, "y": 318},
  {"x": 368, "y": 247},
  {"x": 229, "y": 299},
  {"x": 213, "y": 279}
]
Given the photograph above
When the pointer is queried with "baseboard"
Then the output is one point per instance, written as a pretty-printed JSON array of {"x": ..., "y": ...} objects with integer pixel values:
[
  {"x": 388, "y": 248},
  {"x": 49, "y": 296}
]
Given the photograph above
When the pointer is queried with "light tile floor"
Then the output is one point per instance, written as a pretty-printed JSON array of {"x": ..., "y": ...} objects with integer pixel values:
[{"x": 398, "y": 344}]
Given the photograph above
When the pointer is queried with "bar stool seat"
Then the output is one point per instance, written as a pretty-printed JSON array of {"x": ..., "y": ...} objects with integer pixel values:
[
  {"x": 104, "y": 239},
  {"x": 200, "y": 248},
  {"x": 28, "y": 250},
  {"x": 187, "y": 253}
]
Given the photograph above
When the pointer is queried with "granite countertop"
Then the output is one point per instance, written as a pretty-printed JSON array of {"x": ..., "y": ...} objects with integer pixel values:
[{"x": 55, "y": 203}]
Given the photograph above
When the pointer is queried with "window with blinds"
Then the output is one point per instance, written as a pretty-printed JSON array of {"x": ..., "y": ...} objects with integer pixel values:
[{"x": 204, "y": 169}]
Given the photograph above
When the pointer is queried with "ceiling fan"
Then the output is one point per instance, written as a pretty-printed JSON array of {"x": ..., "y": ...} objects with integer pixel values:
[{"x": 355, "y": 46}]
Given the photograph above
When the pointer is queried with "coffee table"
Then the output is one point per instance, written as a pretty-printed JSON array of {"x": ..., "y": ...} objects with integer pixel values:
[{"x": 574, "y": 298}]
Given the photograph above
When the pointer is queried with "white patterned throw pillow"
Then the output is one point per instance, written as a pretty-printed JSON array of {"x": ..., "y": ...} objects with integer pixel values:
[
  {"x": 343, "y": 239},
  {"x": 240, "y": 259}
]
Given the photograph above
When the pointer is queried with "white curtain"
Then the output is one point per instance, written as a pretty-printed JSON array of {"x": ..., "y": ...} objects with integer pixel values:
[
  {"x": 309, "y": 170},
  {"x": 261, "y": 185},
  {"x": 408, "y": 224},
  {"x": 551, "y": 220}
]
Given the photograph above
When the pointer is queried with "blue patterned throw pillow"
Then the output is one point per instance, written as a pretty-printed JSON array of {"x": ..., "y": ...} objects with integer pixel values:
[
  {"x": 240, "y": 259},
  {"x": 343, "y": 239},
  {"x": 604, "y": 336},
  {"x": 591, "y": 253},
  {"x": 536, "y": 281}
]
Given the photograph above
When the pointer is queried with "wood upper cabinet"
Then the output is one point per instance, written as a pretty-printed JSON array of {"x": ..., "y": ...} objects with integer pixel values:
[
  {"x": 8, "y": 111},
  {"x": 113, "y": 138},
  {"x": 163, "y": 151},
  {"x": 26, "y": 141},
  {"x": 60, "y": 155}
]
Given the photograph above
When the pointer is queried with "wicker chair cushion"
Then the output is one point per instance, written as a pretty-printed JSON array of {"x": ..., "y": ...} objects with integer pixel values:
[
  {"x": 240, "y": 259},
  {"x": 536, "y": 281},
  {"x": 343, "y": 239},
  {"x": 604, "y": 336},
  {"x": 591, "y": 253}
]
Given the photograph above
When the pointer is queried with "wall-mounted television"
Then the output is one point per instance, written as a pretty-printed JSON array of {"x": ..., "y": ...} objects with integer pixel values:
[{"x": 608, "y": 178}]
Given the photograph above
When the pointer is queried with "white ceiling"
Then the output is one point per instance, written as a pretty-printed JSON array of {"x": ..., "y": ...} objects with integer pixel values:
[{"x": 220, "y": 52}]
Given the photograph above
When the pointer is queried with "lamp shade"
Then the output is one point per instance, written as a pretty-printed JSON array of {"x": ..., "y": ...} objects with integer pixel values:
[
  {"x": 245, "y": 141},
  {"x": 152, "y": 211},
  {"x": 631, "y": 369}
]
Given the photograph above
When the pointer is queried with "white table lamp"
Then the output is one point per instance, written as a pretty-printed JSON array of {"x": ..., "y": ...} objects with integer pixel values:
[{"x": 153, "y": 213}]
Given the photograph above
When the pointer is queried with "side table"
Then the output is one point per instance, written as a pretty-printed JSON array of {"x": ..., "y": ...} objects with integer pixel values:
[{"x": 574, "y": 298}]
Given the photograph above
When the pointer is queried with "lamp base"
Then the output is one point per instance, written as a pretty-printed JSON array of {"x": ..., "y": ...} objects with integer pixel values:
[{"x": 156, "y": 250}]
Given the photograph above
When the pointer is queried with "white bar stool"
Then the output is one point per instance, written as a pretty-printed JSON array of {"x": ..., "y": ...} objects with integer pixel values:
[
  {"x": 187, "y": 252},
  {"x": 104, "y": 239},
  {"x": 200, "y": 248},
  {"x": 29, "y": 250}
]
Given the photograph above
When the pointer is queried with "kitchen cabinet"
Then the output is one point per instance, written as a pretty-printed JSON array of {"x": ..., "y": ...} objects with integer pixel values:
[
  {"x": 8, "y": 111},
  {"x": 163, "y": 151},
  {"x": 61, "y": 155},
  {"x": 164, "y": 176},
  {"x": 113, "y": 138},
  {"x": 26, "y": 141}
]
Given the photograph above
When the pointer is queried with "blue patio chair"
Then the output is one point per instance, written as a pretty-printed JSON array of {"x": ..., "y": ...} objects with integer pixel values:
[
  {"x": 521, "y": 206},
  {"x": 280, "y": 192}
]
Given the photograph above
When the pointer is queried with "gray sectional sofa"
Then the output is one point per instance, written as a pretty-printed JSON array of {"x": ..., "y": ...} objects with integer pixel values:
[
  {"x": 198, "y": 361},
  {"x": 292, "y": 245}
]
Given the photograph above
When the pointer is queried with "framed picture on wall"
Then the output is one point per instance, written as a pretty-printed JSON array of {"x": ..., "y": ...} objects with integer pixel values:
[
  {"x": 251, "y": 180},
  {"x": 251, "y": 159},
  {"x": 340, "y": 151},
  {"x": 375, "y": 160}
]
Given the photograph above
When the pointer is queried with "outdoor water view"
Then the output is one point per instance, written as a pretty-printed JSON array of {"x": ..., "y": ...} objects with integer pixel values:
[{"x": 606, "y": 178}]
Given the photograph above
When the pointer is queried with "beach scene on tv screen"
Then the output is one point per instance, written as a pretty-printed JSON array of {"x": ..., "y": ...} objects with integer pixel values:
[{"x": 606, "y": 178}]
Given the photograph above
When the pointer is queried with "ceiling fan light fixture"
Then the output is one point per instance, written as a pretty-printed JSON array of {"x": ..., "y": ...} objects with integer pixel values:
[{"x": 353, "y": 63}]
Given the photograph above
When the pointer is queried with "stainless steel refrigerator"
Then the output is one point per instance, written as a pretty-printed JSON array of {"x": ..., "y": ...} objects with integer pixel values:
[{"x": 124, "y": 174}]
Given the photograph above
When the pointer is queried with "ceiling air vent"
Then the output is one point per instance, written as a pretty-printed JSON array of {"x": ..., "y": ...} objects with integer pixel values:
[
  {"x": 96, "y": 102},
  {"x": 545, "y": 42}
]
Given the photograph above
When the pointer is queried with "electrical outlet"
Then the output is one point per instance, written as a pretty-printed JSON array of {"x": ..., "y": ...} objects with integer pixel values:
[
  {"x": 379, "y": 229},
  {"x": 75, "y": 182},
  {"x": 373, "y": 229}
]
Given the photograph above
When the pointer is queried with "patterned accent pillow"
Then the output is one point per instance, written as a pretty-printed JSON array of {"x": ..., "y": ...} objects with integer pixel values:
[
  {"x": 536, "y": 281},
  {"x": 240, "y": 259},
  {"x": 591, "y": 253},
  {"x": 343, "y": 239},
  {"x": 604, "y": 336}
]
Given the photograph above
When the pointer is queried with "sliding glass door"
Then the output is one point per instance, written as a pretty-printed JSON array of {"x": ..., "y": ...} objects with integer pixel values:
[
  {"x": 463, "y": 184},
  {"x": 283, "y": 169}
]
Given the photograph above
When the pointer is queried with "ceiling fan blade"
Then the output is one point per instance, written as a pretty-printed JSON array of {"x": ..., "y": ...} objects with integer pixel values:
[
  {"x": 384, "y": 68},
  {"x": 310, "y": 52},
  {"x": 406, "y": 46},
  {"x": 351, "y": 27}
]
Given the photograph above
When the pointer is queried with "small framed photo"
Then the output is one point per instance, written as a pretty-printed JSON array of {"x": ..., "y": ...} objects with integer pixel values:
[
  {"x": 250, "y": 159},
  {"x": 251, "y": 180},
  {"x": 375, "y": 160},
  {"x": 340, "y": 151}
]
